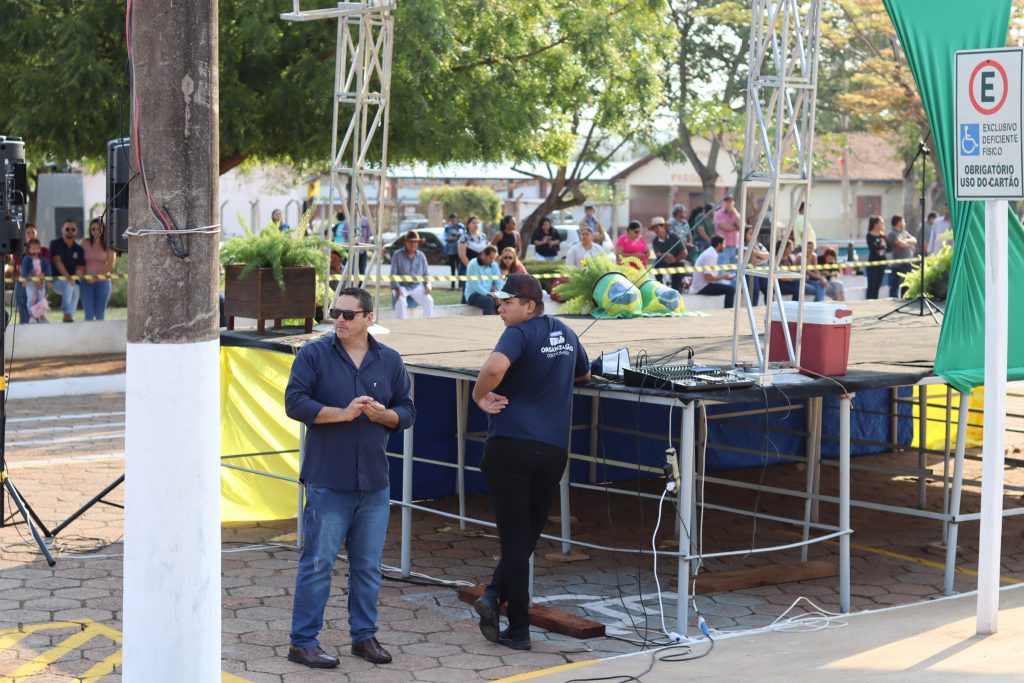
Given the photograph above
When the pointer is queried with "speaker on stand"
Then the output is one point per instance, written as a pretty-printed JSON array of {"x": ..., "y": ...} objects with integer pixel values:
[{"x": 119, "y": 175}]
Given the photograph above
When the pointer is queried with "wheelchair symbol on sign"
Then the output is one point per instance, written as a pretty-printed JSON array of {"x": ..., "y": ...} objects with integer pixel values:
[{"x": 969, "y": 136}]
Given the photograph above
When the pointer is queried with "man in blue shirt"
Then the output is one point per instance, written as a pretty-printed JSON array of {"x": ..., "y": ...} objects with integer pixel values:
[
  {"x": 478, "y": 292},
  {"x": 525, "y": 387},
  {"x": 351, "y": 392},
  {"x": 453, "y": 230}
]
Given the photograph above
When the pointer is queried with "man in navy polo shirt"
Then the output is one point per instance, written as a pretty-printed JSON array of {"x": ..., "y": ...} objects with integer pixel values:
[
  {"x": 351, "y": 392},
  {"x": 525, "y": 387},
  {"x": 68, "y": 259}
]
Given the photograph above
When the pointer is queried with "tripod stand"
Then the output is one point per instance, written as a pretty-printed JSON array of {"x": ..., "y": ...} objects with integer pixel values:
[
  {"x": 27, "y": 513},
  {"x": 923, "y": 303}
]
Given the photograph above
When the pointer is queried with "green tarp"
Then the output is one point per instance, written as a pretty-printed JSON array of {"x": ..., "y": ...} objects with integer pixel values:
[{"x": 931, "y": 31}]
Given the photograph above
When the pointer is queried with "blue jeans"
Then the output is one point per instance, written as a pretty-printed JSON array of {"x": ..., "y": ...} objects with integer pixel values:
[
  {"x": 816, "y": 289},
  {"x": 21, "y": 298},
  {"x": 729, "y": 255},
  {"x": 95, "y": 296},
  {"x": 69, "y": 293},
  {"x": 360, "y": 520}
]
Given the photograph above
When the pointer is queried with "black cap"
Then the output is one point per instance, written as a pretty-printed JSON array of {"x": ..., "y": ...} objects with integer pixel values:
[
  {"x": 453, "y": 215},
  {"x": 522, "y": 285}
]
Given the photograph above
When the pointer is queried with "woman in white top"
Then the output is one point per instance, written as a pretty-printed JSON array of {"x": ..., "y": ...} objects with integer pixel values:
[
  {"x": 584, "y": 249},
  {"x": 472, "y": 242}
]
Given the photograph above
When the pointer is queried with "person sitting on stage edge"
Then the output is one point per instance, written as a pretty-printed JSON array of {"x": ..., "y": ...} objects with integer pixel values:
[
  {"x": 410, "y": 261},
  {"x": 525, "y": 387},
  {"x": 478, "y": 292},
  {"x": 713, "y": 283},
  {"x": 351, "y": 392}
]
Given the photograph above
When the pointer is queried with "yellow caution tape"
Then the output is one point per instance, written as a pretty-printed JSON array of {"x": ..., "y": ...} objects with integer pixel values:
[
  {"x": 654, "y": 271},
  {"x": 85, "y": 278},
  {"x": 540, "y": 276}
]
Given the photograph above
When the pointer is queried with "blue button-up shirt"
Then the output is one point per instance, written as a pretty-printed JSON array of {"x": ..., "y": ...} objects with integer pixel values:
[
  {"x": 346, "y": 456},
  {"x": 402, "y": 264}
]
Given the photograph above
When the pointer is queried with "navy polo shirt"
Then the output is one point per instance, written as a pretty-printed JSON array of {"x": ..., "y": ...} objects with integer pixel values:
[
  {"x": 72, "y": 257},
  {"x": 546, "y": 358},
  {"x": 346, "y": 456}
]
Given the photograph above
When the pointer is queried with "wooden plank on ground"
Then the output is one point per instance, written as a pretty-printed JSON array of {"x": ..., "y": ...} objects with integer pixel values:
[
  {"x": 716, "y": 582},
  {"x": 547, "y": 618}
]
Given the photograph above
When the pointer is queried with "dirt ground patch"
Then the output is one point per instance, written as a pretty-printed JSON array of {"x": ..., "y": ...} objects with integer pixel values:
[{"x": 67, "y": 366}]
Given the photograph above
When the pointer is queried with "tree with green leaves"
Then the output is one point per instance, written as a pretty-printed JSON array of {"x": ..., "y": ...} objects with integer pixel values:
[{"x": 707, "y": 83}]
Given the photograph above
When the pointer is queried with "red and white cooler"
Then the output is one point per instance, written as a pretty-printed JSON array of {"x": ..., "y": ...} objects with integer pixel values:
[{"x": 825, "y": 347}]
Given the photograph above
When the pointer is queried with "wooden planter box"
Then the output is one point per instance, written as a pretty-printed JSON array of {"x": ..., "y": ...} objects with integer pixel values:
[{"x": 258, "y": 296}]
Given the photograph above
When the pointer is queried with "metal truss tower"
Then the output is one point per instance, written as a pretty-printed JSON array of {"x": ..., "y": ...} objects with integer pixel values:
[
  {"x": 362, "y": 104},
  {"x": 782, "y": 86}
]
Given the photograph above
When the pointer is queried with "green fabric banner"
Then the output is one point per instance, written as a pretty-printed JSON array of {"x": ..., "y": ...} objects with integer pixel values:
[{"x": 931, "y": 31}]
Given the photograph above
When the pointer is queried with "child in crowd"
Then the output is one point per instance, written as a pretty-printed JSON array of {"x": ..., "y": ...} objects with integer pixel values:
[{"x": 36, "y": 265}]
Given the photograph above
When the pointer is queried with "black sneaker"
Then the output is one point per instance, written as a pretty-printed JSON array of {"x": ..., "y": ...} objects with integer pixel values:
[
  {"x": 516, "y": 641},
  {"x": 488, "y": 608}
]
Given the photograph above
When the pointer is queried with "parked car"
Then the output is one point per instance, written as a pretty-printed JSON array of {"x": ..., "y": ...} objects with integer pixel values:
[
  {"x": 432, "y": 245},
  {"x": 407, "y": 223},
  {"x": 570, "y": 235}
]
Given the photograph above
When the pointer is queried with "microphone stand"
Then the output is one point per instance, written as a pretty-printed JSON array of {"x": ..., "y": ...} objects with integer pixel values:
[{"x": 923, "y": 303}]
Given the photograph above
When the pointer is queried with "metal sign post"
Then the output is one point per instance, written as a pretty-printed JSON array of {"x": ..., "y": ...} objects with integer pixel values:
[{"x": 990, "y": 166}]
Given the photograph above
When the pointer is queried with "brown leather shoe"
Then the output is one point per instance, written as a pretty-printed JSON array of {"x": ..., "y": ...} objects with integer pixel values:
[
  {"x": 68, "y": 318},
  {"x": 371, "y": 651},
  {"x": 313, "y": 657}
]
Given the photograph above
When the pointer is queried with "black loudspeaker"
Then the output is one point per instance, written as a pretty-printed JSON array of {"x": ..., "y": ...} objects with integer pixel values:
[
  {"x": 119, "y": 175},
  {"x": 13, "y": 193}
]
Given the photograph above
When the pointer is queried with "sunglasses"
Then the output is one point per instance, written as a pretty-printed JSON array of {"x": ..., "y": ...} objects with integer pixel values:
[
  {"x": 347, "y": 315},
  {"x": 507, "y": 258}
]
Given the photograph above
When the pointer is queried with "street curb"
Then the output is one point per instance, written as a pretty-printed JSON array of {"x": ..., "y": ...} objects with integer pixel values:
[{"x": 70, "y": 386}]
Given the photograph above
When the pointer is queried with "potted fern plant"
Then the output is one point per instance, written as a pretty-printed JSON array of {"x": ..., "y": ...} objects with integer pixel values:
[{"x": 272, "y": 275}]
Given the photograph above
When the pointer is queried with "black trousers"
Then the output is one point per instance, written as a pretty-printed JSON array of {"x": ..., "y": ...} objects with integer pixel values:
[
  {"x": 522, "y": 476},
  {"x": 896, "y": 285},
  {"x": 483, "y": 302},
  {"x": 875, "y": 275}
]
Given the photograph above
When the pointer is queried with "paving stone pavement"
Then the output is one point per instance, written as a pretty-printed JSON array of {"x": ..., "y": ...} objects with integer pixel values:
[{"x": 64, "y": 623}]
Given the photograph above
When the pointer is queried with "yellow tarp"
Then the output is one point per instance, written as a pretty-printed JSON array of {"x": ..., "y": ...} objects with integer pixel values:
[
  {"x": 936, "y": 415},
  {"x": 252, "y": 383}
]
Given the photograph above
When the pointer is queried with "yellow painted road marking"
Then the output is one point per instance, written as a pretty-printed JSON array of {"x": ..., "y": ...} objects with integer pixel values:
[
  {"x": 104, "y": 668},
  {"x": 545, "y": 672},
  {"x": 89, "y": 629},
  {"x": 907, "y": 558}
]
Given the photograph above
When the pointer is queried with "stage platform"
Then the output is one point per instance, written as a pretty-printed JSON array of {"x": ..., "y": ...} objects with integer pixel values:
[
  {"x": 899, "y": 350},
  {"x": 620, "y": 433}
]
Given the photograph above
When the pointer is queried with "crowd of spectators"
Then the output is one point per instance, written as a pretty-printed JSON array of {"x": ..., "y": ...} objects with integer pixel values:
[{"x": 81, "y": 268}]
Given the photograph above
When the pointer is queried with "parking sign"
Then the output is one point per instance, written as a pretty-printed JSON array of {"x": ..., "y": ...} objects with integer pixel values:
[{"x": 989, "y": 139}]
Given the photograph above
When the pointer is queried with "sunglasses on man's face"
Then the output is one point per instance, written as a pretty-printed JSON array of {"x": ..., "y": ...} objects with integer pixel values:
[{"x": 347, "y": 315}]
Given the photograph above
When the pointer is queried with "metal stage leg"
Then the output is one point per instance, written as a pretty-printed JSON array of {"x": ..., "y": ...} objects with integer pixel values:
[
  {"x": 300, "y": 531},
  {"x": 407, "y": 444},
  {"x": 922, "y": 445},
  {"x": 461, "y": 418},
  {"x": 685, "y": 500},
  {"x": 595, "y": 410},
  {"x": 563, "y": 506},
  {"x": 844, "y": 503},
  {"x": 809, "y": 476},
  {"x": 945, "y": 463},
  {"x": 954, "y": 502},
  {"x": 98, "y": 498}
]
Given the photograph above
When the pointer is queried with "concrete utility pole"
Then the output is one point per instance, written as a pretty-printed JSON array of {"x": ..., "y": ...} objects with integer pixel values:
[{"x": 172, "y": 597}]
